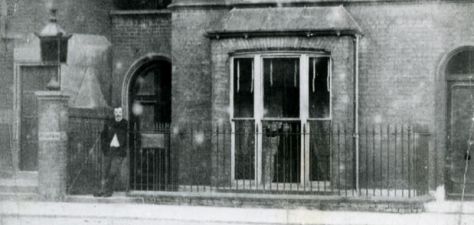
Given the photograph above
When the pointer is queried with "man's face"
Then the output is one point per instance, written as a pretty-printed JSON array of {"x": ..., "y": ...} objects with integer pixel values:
[{"x": 118, "y": 114}]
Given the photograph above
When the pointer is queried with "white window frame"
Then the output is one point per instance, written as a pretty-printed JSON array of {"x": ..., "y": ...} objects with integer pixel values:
[{"x": 258, "y": 103}]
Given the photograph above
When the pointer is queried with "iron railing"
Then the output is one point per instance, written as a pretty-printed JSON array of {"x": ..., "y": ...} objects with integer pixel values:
[{"x": 274, "y": 157}]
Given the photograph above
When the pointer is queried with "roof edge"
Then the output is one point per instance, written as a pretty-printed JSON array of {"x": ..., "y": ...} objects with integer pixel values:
[
  {"x": 300, "y": 33},
  {"x": 177, "y": 4}
]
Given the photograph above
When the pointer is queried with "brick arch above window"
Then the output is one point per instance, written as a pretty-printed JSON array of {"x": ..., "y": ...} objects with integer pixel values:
[
  {"x": 137, "y": 65},
  {"x": 461, "y": 62},
  {"x": 444, "y": 73}
]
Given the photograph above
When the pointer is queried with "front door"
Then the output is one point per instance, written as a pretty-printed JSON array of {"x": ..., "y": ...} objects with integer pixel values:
[
  {"x": 460, "y": 137},
  {"x": 150, "y": 115}
]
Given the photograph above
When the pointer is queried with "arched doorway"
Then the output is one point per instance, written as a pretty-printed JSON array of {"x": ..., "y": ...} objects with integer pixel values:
[
  {"x": 149, "y": 112},
  {"x": 459, "y": 72}
]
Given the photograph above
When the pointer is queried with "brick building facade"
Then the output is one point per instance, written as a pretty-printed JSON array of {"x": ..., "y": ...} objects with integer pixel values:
[{"x": 400, "y": 64}]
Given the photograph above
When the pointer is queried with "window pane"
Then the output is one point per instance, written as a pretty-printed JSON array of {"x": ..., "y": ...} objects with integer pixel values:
[
  {"x": 281, "y": 87},
  {"x": 147, "y": 120},
  {"x": 319, "y": 89},
  {"x": 243, "y": 87}
]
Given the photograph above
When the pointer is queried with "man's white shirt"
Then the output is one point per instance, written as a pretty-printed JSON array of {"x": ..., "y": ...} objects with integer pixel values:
[{"x": 115, "y": 143}]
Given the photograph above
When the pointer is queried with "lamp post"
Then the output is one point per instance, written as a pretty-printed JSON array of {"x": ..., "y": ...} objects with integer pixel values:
[{"x": 53, "y": 47}]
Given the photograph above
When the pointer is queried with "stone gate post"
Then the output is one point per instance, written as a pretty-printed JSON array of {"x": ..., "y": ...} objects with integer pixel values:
[{"x": 52, "y": 144}]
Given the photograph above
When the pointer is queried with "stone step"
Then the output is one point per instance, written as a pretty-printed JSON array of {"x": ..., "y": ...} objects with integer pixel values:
[
  {"x": 18, "y": 182},
  {"x": 22, "y": 182},
  {"x": 15, "y": 196}
]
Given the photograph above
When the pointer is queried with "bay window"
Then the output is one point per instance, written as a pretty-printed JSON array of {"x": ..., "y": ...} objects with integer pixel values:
[{"x": 277, "y": 101}]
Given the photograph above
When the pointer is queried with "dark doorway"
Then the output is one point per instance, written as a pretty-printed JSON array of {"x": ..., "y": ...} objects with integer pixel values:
[
  {"x": 32, "y": 79},
  {"x": 150, "y": 115},
  {"x": 460, "y": 139}
]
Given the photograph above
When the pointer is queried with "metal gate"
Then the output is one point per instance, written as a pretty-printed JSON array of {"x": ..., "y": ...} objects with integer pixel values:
[{"x": 150, "y": 158}]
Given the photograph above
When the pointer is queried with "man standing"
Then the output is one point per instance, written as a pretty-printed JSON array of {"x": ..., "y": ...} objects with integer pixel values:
[{"x": 113, "y": 144}]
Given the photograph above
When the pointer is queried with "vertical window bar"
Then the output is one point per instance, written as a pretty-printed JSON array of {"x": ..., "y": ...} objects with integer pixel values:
[
  {"x": 295, "y": 74},
  {"x": 253, "y": 77},
  {"x": 271, "y": 73},
  {"x": 314, "y": 75},
  {"x": 238, "y": 76}
]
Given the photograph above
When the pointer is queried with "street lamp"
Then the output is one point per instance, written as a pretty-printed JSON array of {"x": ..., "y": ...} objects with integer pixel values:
[{"x": 53, "y": 47}]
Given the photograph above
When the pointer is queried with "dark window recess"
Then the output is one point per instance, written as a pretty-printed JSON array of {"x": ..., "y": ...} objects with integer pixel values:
[
  {"x": 281, "y": 153},
  {"x": 243, "y": 87},
  {"x": 320, "y": 150},
  {"x": 141, "y": 4},
  {"x": 245, "y": 150},
  {"x": 281, "y": 87},
  {"x": 319, "y": 87}
]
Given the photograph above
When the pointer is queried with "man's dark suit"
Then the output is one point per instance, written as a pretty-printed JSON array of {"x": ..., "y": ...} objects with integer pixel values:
[
  {"x": 113, "y": 156},
  {"x": 112, "y": 128}
]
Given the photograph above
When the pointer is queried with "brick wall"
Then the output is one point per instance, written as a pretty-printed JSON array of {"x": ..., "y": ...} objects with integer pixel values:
[
  {"x": 401, "y": 56},
  {"x": 6, "y": 106},
  {"x": 134, "y": 36},
  {"x": 192, "y": 88},
  {"x": 6, "y": 80}
]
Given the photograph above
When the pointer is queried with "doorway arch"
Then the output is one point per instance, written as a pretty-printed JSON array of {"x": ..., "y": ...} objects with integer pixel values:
[
  {"x": 149, "y": 95},
  {"x": 458, "y": 73},
  {"x": 147, "y": 103}
]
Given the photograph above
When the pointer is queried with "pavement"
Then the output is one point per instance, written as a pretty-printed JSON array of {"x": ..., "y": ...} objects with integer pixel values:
[
  {"x": 120, "y": 209},
  {"x": 113, "y": 213}
]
